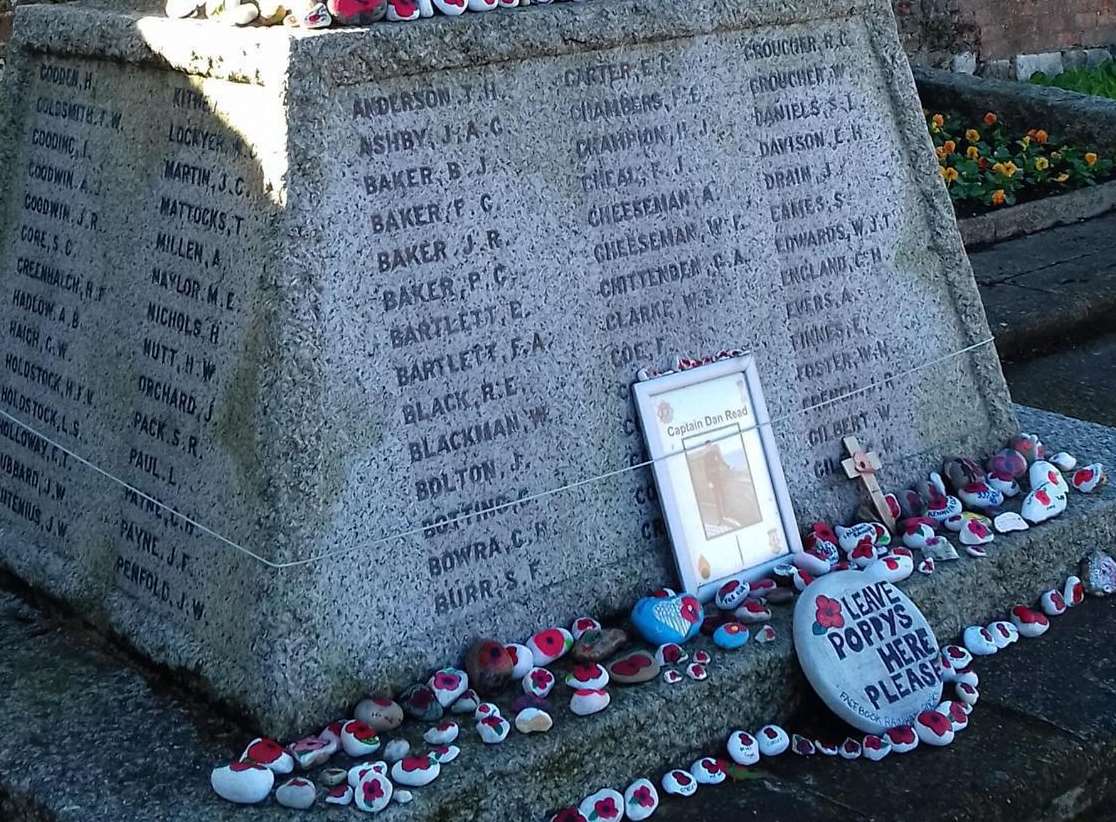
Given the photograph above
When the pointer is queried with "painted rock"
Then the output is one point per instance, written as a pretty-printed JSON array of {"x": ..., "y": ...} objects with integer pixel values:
[
  {"x": 588, "y": 675},
  {"x": 974, "y": 532},
  {"x": 679, "y": 782},
  {"x": 339, "y": 795},
  {"x": 1029, "y": 446},
  {"x": 697, "y": 672},
  {"x": 522, "y": 659},
  {"x": 926, "y": 567},
  {"x": 701, "y": 657},
  {"x": 663, "y": 593},
  {"x": 331, "y": 733},
  {"x": 822, "y": 542},
  {"x": 538, "y": 682},
  {"x": 849, "y": 538},
  {"x": 802, "y": 581},
  {"x": 1028, "y": 622},
  {"x": 359, "y": 739},
  {"x": 731, "y": 594},
  {"x": 1098, "y": 574},
  {"x": 933, "y": 728},
  {"x": 451, "y": 8},
  {"x": 244, "y": 783},
  {"x": 752, "y": 611},
  {"x": 483, "y": 5},
  {"x": 597, "y": 646},
  {"x": 445, "y": 753},
  {"x": 1073, "y": 591},
  {"x": 802, "y": 746},
  {"x": 827, "y": 748},
  {"x": 966, "y": 693},
  {"x": 419, "y": 702},
  {"x": 466, "y": 703},
  {"x": 1004, "y": 484},
  {"x": 297, "y": 793},
  {"x": 570, "y": 814},
  {"x": 1052, "y": 603},
  {"x": 850, "y": 749},
  {"x": 493, "y": 729},
  {"x": 606, "y": 805},
  {"x": 1007, "y": 463},
  {"x": 549, "y": 645},
  {"x": 939, "y": 549},
  {"x": 402, "y": 796},
  {"x": 402, "y": 10},
  {"x": 760, "y": 588},
  {"x": 485, "y": 709},
  {"x": 415, "y": 771},
  {"x": 1041, "y": 505},
  {"x": 1064, "y": 461},
  {"x": 633, "y": 668},
  {"x": 731, "y": 636},
  {"x": 902, "y": 738},
  {"x": 443, "y": 733},
  {"x": 360, "y": 770},
  {"x": 956, "y": 713},
  {"x": 1003, "y": 633},
  {"x": 980, "y": 496},
  {"x": 976, "y": 551},
  {"x": 586, "y": 701},
  {"x": 900, "y": 551},
  {"x": 962, "y": 471},
  {"x": 1009, "y": 521},
  {"x": 891, "y": 568},
  {"x": 968, "y": 676},
  {"x": 310, "y": 752},
  {"x": 772, "y": 740},
  {"x": 917, "y": 530},
  {"x": 1089, "y": 479},
  {"x": 863, "y": 554},
  {"x": 489, "y": 666},
  {"x": 765, "y": 634},
  {"x": 640, "y": 800},
  {"x": 979, "y": 641},
  {"x": 673, "y": 619},
  {"x": 943, "y": 507},
  {"x": 954, "y": 657},
  {"x": 708, "y": 771},
  {"x": 743, "y": 748},
  {"x": 373, "y": 793},
  {"x": 875, "y": 747},
  {"x": 379, "y": 713},
  {"x": 396, "y": 750},
  {"x": 911, "y": 503},
  {"x": 671, "y": 676},
  {"x": 357, "y": 12},
  {"x": 583, "y": 624},
  {"x": 1043, "y": 473},
  {"x": 270, "y": 754},
  {"x": 332, "y": 776},
  {"x": 811, "y": 564},
  {"x": 533, "y": 721}
]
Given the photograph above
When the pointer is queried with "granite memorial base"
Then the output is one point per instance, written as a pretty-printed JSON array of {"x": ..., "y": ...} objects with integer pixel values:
[{"x": 351, "y": 299}]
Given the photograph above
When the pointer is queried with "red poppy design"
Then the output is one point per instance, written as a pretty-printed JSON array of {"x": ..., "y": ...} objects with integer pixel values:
[
  {"x": 445, "y": 681},
  {"x": 606, "y": 808},
  {"x": 414, "y": 763},
  {"x": 373, "y": 790},
  {"x": 264, "y": 751},
  {"x": 513, "y": 653},
  {"x": 682, "y": 778},
  {"x": 729, "y": 587},
  {"x": 421, "y": 698},
  {"x": 584, "y": 673},
  {"x": 441, "y": 750},
  {"x": 1059, "y": 603},
  {"x": 1079, "y": 592},
  {"x": 711, "y": 765},
  {"x": 851, "y": 746},
  {"x": 873, "y": 742},
  {"x": 541, "y": 678},
  {"x": 957, "y": 713},
  {"x": 762, "y": 585},
  {"x": 383, "y": 702},
  {"x": 585, "y": 624},
  {"x": 901, "y": 735},
  {"x": 1082, "y": 476},
  {"x": 335, "y": 727},
  {"x": 632, "y": 665},
  {"x": 770, "y": 733},
  {"x": 936, "y": 722},
  {"x": 864, "y": 548},
  {"x": 691, "y": 609},
  {"x": 244, "y": 765},
  {"x": 733, "y": 628},
  {"x": 493, "y": 721},
  {"x": 1042, "y": 496},
  {"x": 338, "y": 790},
  {"x": 829, "y": 613},
  {"x": 1026, "y": 615},
  {"x": 642, "y": 797},
  {"x": 568, "y": 815},
  {"x": 956, "y": 652},
  {"x": 310, "y": 743},
  {"x": 550, "y": 642},
  {"x": 672, "y": 652}
]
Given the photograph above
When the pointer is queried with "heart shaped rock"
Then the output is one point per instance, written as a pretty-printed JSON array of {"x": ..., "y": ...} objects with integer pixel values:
[
  {"x": 538, "y": 682},
  {"x": 934, "y": 728},
  {"x": 297, "y": 793},
  {"x": 670, "y": 619},
  {"x": 708, "y": 771},
  {"x": 902, "y": 738},
  {"x": 549, "y": 645},
  {"x": 640, "y": 800},
  {"x": 743, "y": 748},
  {"x": 270, "y": 754},
  {"x": 875, "y": 747},
  {"x": 373, "y": 793},
  {"x": 772, "y": 740},
  {"x": 244, "y": 783},
  {"x": 415, "y": 771},
  {"x": 533, "y": 721},
  {"x": 633, "y": 668},
  {"x": 1029, "y": 622},
  {"x": 379, "y": 713},
  {"x": 493, "y": 729},
  {"x": 731, "y": 594},
  {"x": 730, "y": 636},
  {"x": 586, "y": 701},
  {"x": 679, "y": 782},
  {"x": 605, "y": 805},
  {"x": 359, "y": 739}
]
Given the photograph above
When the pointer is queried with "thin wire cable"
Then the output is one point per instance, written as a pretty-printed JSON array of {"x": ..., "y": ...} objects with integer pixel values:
[{"x": 521, "y": 501}]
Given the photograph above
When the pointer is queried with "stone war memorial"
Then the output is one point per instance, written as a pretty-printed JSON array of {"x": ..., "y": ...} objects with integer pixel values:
[{"x": 357, "y": 301}]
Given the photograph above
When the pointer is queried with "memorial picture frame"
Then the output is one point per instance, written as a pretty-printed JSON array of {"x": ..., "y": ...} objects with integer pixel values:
[{"x": 718, "y": 473}]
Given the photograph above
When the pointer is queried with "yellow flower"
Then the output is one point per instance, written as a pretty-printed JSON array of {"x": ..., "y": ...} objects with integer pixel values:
[
  {"x": 1025, "y": 142},
  {"x": 1010, "y": 168},
  {"x": 972, "y": 152},
  {"x": 990, "y": 119},
  {"x": 1090, "y": 159},
  {"x": 1041, "y": 136},
  {"x": 949, "y": 146},
  {"x": 998, "y": 197},
  {"x": 1061, "y": 178},
  {"x": 972, "y": 135},
  {"x": 938, "y": 120},
  {"x": 1055, "y": 155},
  {"x": 941, "y": 152},
  {"x": 949, "y": 174},
  {"x": 1041, "y": 164}
]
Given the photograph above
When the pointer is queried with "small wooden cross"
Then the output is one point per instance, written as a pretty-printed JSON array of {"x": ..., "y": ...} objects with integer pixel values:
[{"x": 865, "y": 464}]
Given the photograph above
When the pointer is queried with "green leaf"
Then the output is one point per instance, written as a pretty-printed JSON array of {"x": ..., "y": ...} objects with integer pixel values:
[
  {"x": 818, "y": 630},
  {"x": 738, "y": 773}
]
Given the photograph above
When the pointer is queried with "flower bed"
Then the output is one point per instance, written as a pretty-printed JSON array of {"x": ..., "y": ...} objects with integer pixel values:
[
  {"x": 1100, "y": 81},
  {"x": 986, "y": 165}
]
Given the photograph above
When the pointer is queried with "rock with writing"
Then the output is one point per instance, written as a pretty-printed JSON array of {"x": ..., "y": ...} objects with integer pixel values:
[
  {"x": 772, "y": 740},
  {"x": 875, "y": 747},
  {"x": 941, "y": 506},
  {"x": 379, "y": 713},
  {"x": 606, "y": 805},
  {"x": 1004, "y": 485},
  {"x": 415, "y": 771},
  {"x": 679, "y": 782},
  {"x": 633, "y": 668},
  {"x": 708, "y": 771},
  {"x": 641, "y": 799},
  {"x": 933, "y": 728},
  {"x": 1042, "y": 504},
  {"x": 1052, "y": 603},
  {"x": 538, "y": 682},
  {"x": 532, "y": 721},
  {"x": 489, "y": 666},
  {"x": 731, "y": 593},
  {"x": 338, "y": 795},
  {"x": 874, "y": 532},
  {"x": 270, "y": 754},
  {"x": 549, "y": 645},
  {"x": 743, "y": 748},
  {"x": 583, "y": 624},
  {"x": 980, "y": 496},
  {"x": 822, "y": 543},
  {"x": 587, "y": 675},
  {"x": 443, "y": 733},
  {"x": 1009, "y": 521},
  {"x": 244, "y": 782},
  {"x": 373, "y": 793},
  {"x": 1029, "y": 622},
  {"x": 670, "y": 619},
  {"x": 522, "y": 659},
  {"x": 310, "y": 752},
  {"x": 1043, "y": 473},
  {"x": 586, "y": 701},
  {"x": 597, "y": 646},
  {"x": 1098, "y": 574},
  {"x": 902, "y": 738},
  {"x": 297, "y": 793},
  {"x": 493, "y": 729},
  {"x": 1089, "y": 479},
  {"x": 1073, "y": 591},
  {"x": 419, "y": 702}
]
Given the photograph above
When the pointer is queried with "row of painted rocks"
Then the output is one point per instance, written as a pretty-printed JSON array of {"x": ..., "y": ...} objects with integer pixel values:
[{"x": 313, "y": 14}]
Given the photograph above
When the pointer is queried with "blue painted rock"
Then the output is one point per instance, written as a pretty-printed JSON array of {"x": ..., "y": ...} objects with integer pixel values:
[
  {"x": 730, "y": 636},
  {"x": 980, "y": 496},
  {"x": 667, "y": 619}
]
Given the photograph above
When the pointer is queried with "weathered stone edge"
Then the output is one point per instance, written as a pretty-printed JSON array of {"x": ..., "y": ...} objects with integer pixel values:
[{"x": 1038, "y": 215}]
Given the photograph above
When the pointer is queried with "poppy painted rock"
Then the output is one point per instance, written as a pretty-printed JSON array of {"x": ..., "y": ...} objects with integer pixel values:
[
  {"x": 1029, "y": 622},
  {"x": 586, "y": 701},
  {"x": 801, "y": 580},
  {"x": 485, "y": 709},
  {"x": 270, "y": 754},
  {"x": 1007, "y": 463},
  {"x": 402, "y": 796},
  {"x": 976, "y": 551},
  {"x": 851, "y": 749},
  {"x": 1098, "y": 574},
  {"x": 730, "y": 636},
  {"x": 821, "y": 541},
  {"x": 570, "y": 814},
  {"x": 974, "y": 532},
  {"x": 1043, "y": 473},
  {"x": 679, "y": 782},
  {"x": 760, "y": 588},
  {"x": 980, "y": 496},
  {"x": 420, "y": 702},
  {"x": 359, "y": 739},
  {"x": 671, "y": 619},
  {"x": 765, "y": 634},
  {"x": 1073, "y": 591},
  {"x": 1009, "y": 521},
  {"x": 697, "y": 672},
  {"x": 443, "y": 733},
  {"x": 311, "y": 751},
  {"x": 314, "y": 16},
  {"x": 357, "y": 12},
  {"x": 445, "y": 753},
  {"x": 587, "y": 675},
  {"x": 901, "y": 738},
  {"x": 978, "y": 641},
  {"x": 483, "y": 5},
  {"x": 489, "y": 666},
  {"x": 1003, "y": 633},
  {"x": 606, "y": 805},
  {"x": 400, "y": 11},
  {"x": 1005, "y": 485},
  {"x": 826, "y": 747},
  {"x": 549, "y": 645},
  {"x": 634, "y": 668},
  {"x": 358, "y": 771},
  {"x": 917, "y": 530},
  {"x": 968, "y": 675},
  {"x": 533, "y": 721},
  {"x": 943, "y": 508},
  {"x": 466, "y": 703},
  {"x": 743, "y": 748},
  {"x": 955, "y": 657},
  {"x": 597, "y": 646},
  {"x": 772, "y": 740},
  {"x": 863, "y": 554},
  {"x": 956, "y": 712},
  {"x": 752, "y": 611},
  {"x": 875, "y": 747},
  {"x": 339, "y": 795},
  {"x": 1041, "y": 505},
  {"x": 927, "y": 566},
  {"x": 522, "y": 659},
  {"x": 702, "y": 657},
  {"x": 802, "y": 746},
  {"x": 731, "y": 594},
  {"x": 493, "y": 729},
  {"x": 640, "y": 800},
  {"x": 1064, "y": 461},
  {"x": 671, "y": 676},
  {"x": 891, "y": 568},
  {"x": 966, "y": 693},
  {"x": 1029, "y": 446},
  {"x": 583, "y": 624},
  {"x": 297, "y": 793},
  {"x": 244, "y": 783},
  {"x": 373, "y": 793},
  {"x": 810, "y": 563},
  {"x": 708, "y": 771},
  {"x": 1052, "y": 603},
  {"x": 332, "y": 776},
  {"x": 1089, "y": 479},
  {"x": 849, "y": 538},
  {"x": 415, "y": 771},
  {"x": 331, "y": 733},
  {"x": 396, "y": 750},
  {"x": 538, "y": 682},
  {"x": 933, "y": 728},
  {"x": 451, "y": 8},
  {"x": 379, "y": 713}
]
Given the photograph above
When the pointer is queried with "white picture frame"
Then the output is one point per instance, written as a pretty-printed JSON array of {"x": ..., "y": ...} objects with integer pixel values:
[{"x": 716, "y": 465}]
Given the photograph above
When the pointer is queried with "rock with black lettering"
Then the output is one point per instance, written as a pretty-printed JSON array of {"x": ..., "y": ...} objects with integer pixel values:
[{"x": 379, "y": 712}]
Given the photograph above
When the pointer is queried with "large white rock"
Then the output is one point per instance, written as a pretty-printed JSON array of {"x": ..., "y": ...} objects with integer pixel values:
[{"x": 245, "y": 783}]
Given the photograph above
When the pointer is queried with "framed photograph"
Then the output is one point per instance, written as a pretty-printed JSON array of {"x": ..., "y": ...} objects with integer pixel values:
[{"x": 718, "y": 472}]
